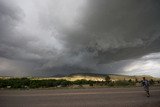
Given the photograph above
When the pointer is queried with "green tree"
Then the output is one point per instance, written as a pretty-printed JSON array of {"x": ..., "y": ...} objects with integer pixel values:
[
  {"x": 151, "y": 82},
  {"x": 136, "y": 80},
  {"x": 129, "y": 80},
  {"x": 107, "y": 79}
]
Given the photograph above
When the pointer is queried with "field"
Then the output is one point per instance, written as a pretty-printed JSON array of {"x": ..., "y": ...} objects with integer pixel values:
[
  {"x": 99, "y": 77},
  {"x": 75, "y": 81}
]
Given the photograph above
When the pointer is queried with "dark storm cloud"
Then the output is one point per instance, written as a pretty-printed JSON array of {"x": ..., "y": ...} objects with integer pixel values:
[
  {"x": 61, "y": 37},
  {"x": 13, "y": 56},
  {"x": 9, "y": 16},
  {"x": 111, "y": 30},
  {"x": 116, "y": 30}
]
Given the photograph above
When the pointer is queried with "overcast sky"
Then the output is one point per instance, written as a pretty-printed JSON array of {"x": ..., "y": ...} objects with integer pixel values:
[{"x": 59, "y": 37}]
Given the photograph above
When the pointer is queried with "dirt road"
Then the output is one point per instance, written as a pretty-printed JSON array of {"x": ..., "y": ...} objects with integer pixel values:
[{"x": 99, "y": 97}]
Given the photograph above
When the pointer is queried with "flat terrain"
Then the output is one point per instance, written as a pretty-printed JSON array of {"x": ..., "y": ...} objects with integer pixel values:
[{"x": 99, "y": 97}]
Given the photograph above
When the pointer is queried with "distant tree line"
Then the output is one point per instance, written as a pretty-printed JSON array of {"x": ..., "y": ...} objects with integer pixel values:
[{"x": 29, "y": 83}]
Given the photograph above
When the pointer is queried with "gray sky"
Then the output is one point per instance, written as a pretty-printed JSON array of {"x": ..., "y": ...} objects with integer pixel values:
[{"x": 51, "y": 37}]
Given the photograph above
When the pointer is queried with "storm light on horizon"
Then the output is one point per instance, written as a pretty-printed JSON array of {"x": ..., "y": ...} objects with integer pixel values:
[{"x": 59, "y": 37}]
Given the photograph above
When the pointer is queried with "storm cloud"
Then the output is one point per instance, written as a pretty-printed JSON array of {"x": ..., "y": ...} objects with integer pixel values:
[{"x": 46, "y": 38}]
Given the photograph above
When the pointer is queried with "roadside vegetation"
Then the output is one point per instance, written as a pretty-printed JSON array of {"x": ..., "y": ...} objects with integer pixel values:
[{"x": 26, "y": 83}]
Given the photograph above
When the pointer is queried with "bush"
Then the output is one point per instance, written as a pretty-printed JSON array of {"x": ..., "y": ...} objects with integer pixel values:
[
  {"x": 65, "y": 83},
  {"x": 25, "y": 82},
  {"x": 124, "y": 83},
  {"x": 151, "y": 82},
  {"x": 111, "y": 84},
  {"x": 107, "y": 79}
]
